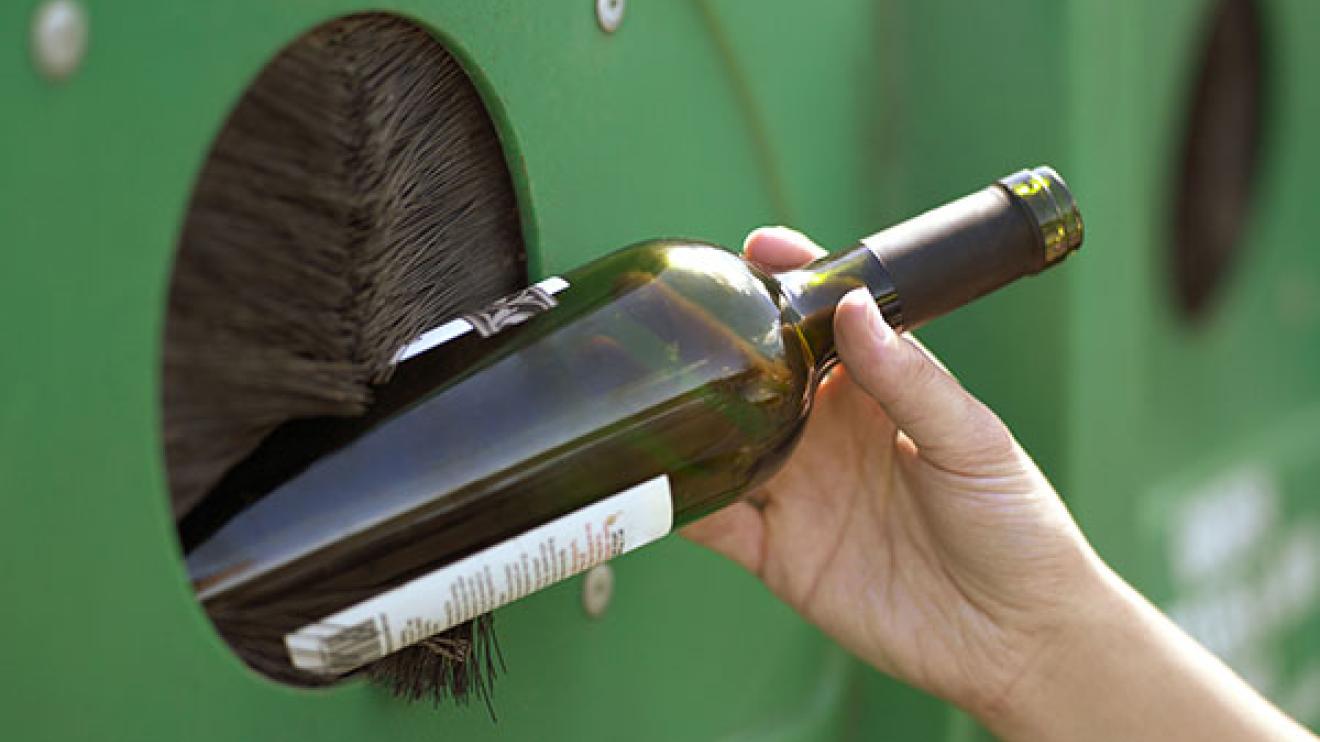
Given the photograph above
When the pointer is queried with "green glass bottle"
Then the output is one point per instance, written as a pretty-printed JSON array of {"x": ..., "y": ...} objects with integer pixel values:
[{"x": 575, "y": 420}]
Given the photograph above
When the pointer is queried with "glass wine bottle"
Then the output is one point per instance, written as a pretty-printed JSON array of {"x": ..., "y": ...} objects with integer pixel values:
[{"x": 568, "y": 423}]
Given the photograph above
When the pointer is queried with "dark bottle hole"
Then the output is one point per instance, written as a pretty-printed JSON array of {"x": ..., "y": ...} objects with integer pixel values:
[
  {"x": 1221, "y": 151},
  {"x": 356, "y": 196}
]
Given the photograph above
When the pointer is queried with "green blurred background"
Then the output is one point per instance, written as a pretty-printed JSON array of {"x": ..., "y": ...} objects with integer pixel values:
[{"x": 1187, "y": 444}]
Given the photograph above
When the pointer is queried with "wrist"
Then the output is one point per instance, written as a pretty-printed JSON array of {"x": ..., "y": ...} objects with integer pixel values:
[
  {"x": 1101, "y": 619},
  {"x": 1122, "y": 670}
]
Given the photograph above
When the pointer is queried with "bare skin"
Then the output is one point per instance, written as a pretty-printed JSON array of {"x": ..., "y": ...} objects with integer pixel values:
[{"x": 911, "y": 527}]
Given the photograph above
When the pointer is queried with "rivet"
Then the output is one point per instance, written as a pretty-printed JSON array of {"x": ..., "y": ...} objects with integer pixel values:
[
  {"x": 597, "y": 589},
  {"x": 59, "y": 38},
  {"x": 609, "y": 14}
]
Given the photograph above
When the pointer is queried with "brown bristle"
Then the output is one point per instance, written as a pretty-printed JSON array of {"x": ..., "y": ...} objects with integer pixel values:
[
  {"x": 356, "y": 197},
  {"x": 467, "y": 658}
]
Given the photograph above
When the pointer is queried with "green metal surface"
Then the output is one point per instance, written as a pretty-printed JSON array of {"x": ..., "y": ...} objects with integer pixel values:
[
  {"x": 613, "y": 138},
  {"x": 698, "y": 119},
  {"x": 1194, "y": 450}
]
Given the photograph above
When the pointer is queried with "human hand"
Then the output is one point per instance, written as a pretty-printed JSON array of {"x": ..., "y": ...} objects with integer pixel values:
[
  {"x": 908, "y": 523},
  {"x": 912, "y": 528}
]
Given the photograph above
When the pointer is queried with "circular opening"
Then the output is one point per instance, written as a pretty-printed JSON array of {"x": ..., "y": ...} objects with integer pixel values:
[
  {"x": 356, "y": 196},
  {"x": 1221, "y": 150}
]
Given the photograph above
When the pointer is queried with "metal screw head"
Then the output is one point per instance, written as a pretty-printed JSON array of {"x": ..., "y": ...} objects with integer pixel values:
[
  {"x": 597, "y": 589},
  {"x": 609, "y": 14},
  {"x": 58, "y": 38}
]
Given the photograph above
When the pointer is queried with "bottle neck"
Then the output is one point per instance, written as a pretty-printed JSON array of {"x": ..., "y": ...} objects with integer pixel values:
[{"x": 812, "y": 293}]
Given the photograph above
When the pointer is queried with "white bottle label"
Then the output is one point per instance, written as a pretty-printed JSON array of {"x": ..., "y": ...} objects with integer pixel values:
[{"x": 484, "y": 581}]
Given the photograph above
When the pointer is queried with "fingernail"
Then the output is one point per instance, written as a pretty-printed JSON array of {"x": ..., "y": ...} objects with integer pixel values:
[
  {"x": 766, "y": 230},
  {"x": 875, "y": 321},
  {"x": 788, "y": 234}
]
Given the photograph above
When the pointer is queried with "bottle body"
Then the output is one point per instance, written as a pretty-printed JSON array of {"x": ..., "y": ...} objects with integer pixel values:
[{"x": 666, "y": 359}]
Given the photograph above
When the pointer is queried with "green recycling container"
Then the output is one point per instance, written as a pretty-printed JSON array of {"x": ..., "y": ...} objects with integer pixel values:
[{"x": 1184, "y": 434}]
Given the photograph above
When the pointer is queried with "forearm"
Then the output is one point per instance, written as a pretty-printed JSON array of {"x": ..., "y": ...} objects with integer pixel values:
[{"x": 1127, "y": 672}]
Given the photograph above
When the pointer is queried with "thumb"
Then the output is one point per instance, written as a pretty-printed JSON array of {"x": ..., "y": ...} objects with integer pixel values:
[{"x": 950, "y": 427}]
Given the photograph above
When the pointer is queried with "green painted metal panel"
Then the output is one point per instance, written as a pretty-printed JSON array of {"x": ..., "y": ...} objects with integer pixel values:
[
  {"x": 1194, "y": 446},
  {"x": 612, "y": 139}
]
